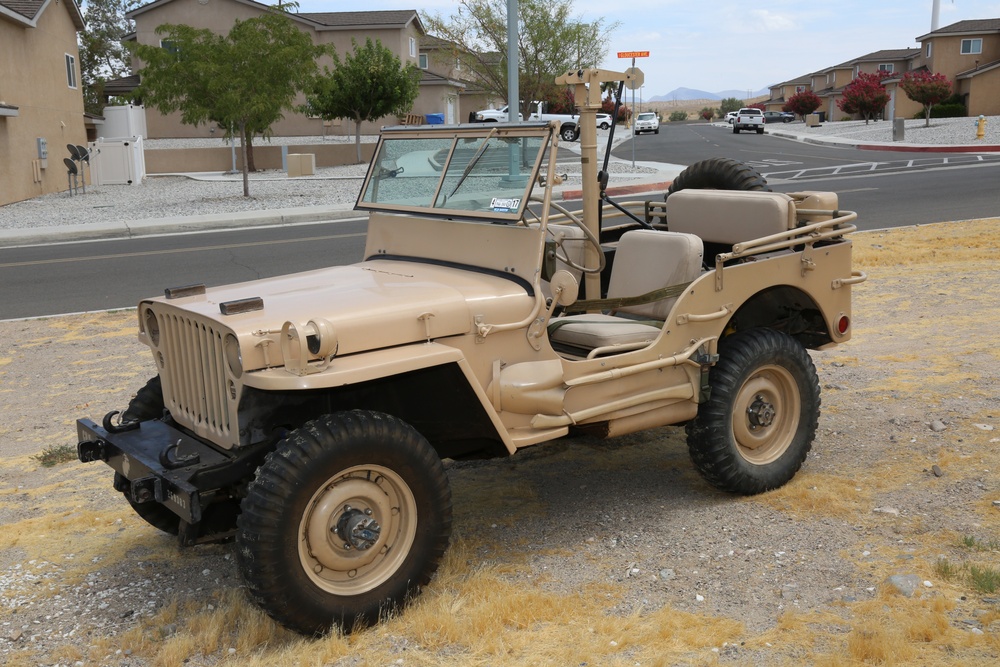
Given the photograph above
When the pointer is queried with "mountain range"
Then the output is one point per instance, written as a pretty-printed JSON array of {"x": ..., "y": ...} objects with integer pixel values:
[{"x": 682, "y": 94}]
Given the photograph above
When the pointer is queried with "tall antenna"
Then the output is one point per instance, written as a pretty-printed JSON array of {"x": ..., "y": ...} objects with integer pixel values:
[{"x": 936, "y": 14}]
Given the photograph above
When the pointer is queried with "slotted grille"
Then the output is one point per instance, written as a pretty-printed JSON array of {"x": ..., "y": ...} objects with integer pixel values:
[{"x": 195, "y": 379}]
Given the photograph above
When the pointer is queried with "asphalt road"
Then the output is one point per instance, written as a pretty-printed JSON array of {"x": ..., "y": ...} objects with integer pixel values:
[{"x": 887, "y": 189}]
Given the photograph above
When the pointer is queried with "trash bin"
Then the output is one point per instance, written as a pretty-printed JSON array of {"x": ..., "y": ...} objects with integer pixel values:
[
  {"x": 434, "y": 118},
  {"x": 812, "y": 120},
  {"x": 822, "y": 116},
  {"x": 898, "y": 129}
]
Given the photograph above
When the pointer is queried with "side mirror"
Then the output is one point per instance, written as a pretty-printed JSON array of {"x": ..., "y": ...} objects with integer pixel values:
[{"x": 564, "y": 288}]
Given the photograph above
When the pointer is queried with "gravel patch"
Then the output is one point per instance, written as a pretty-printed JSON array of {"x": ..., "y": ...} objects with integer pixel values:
[{"x": 942, "y": 131}]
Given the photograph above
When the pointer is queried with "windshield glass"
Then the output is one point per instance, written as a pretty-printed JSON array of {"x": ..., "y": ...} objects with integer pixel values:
[
  {"x": 485, "y": 172},
  {"x": 646, "y": 116}
]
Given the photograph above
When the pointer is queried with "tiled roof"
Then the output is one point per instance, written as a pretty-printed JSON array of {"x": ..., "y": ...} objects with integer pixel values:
[
  {"x": 969, "y": 73},
  {"x": 30, "y": 10},
  {"x": 965, "y": 27},
  {"x": 889, "y": 54},
  {"x": 361, "y": 19}
]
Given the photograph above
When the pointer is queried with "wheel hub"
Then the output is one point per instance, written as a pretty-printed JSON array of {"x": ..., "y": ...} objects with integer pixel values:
[
  {"x": 358, "y": 528},
  {"x": 761, "y": 413}
]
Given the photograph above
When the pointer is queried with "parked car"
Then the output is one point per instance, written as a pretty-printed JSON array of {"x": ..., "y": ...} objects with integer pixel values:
[
  {"x": 604, "y": 121},
  {"x": 731, "y": 116},
  {"x": 646, "y": 122},
  {"x": 749, "y": 118},
  {"x": 778, "y": 117}
]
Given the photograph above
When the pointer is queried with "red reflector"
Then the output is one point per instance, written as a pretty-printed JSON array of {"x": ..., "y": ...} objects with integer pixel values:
[{"x": 843, "y": 324}]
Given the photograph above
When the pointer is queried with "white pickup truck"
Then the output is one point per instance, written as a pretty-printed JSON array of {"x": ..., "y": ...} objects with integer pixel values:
[
  {"x": 749, "y": 118},
  {"x": 569, "y": 130}
]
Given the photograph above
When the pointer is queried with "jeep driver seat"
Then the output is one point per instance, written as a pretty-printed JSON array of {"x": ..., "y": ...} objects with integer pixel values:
[{"x": 645, "y": 261}]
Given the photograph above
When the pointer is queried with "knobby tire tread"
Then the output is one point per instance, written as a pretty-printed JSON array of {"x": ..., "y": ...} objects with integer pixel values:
[
  {"x": 711, "y": 443},
  {"x": 267, "y": 550}
]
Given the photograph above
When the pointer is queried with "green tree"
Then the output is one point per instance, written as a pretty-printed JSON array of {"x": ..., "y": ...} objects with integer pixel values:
[
  {"x": 370, "y": 84},
  {"x": 865, "y": 95},
  {"x": 102, "y": 55},
  {"x": 730, "y": 104},
  {"x": 927, "y": 89},
  {"x": 551, "y": 41},
  {"x": 803, "y": 103},
  {"x": 243, "y": 81}
]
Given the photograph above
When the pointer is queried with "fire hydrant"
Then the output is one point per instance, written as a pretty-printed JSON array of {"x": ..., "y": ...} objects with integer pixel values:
[{"x": 981, "y": 127}]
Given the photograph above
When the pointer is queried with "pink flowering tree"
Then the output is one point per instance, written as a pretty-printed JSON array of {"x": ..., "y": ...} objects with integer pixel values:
[
  {"x": 865, "y": 95},
  {"x": 926, "y": 88},
  {"x": 803, "y": 103}
]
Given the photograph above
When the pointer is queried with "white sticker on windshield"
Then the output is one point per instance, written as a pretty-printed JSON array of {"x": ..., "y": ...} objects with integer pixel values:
[{"x": 502, "y": 205}]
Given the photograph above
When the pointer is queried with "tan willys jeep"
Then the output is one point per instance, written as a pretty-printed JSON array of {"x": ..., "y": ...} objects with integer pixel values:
[{"x": 307, "y": 416}]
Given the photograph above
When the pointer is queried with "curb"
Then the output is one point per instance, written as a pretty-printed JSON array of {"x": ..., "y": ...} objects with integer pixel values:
[
  {"x": 621, "y": 190},
  {"x": 174, "y": 225}
]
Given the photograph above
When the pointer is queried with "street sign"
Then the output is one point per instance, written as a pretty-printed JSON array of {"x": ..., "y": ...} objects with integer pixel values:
[
  {"x": 633, "y": 54},
  {"x": 634, "y": 78}
]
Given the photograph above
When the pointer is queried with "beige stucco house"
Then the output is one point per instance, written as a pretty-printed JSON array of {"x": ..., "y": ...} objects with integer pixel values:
[
  {"x": 781, "y": 92},
  {"x": 41, "y": 100},
  {"x": 400, "y": 31},
  {"x": 968, "y": 53}
]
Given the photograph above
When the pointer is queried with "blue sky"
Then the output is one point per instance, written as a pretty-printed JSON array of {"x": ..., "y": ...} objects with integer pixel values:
[{"x": 719, "y": 45}]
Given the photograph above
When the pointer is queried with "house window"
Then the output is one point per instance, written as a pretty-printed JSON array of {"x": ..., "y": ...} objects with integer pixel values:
[
  {"x": 800, "y": 89},
  {"x": 930, "y": 49},
  {"x": 170, "y": 46},
  {"x": 423, "y": 61},
  {"x": 70, "y": 71},
  {"x": 972, "y": 46},
  {"x": 857, "y": 71},
  {"x": 413, "y": 47},
  {"x": 886, "y": 67}
]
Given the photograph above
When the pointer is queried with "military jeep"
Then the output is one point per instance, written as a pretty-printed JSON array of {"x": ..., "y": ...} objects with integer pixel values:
[{"x": 306, "y": 417}]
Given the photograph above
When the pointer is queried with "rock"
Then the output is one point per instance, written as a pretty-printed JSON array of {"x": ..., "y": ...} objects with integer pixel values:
[
  {"x": 936, "y": 469},
  {"x": 699, "y": 597},
  {"x": 666, "y": 574},
  {"x": 886, "y": 510},
  {"x": 17, "y": 634},
  {"x": 937, "y": 426},
  {"x": 984, "y": 427},
  {"x": 905, "y": 584},
  {"x": 996, "y": 503}
]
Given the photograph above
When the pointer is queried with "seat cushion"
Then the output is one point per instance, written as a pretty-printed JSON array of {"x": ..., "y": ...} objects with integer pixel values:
[
  {"x": 730, "y": 216},
  {"x": 588, "y": 332}
]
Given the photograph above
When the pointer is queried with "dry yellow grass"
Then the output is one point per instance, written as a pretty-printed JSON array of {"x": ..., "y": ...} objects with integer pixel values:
[{"x": 491, "y": 604}]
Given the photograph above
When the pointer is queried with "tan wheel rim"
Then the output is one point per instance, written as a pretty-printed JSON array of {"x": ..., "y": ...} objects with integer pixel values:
[
  {"x": 357, "y": 530},
  {"x": 766, "y": 415}
]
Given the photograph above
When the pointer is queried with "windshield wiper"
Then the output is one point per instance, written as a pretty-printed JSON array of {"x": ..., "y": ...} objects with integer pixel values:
[{"x": 473, "y": 161}]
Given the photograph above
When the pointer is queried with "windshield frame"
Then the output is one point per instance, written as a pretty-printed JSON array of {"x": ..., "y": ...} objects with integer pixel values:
[{"x": 460, "y": 135}]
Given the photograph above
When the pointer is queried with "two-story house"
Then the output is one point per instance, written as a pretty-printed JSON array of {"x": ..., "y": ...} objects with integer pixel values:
[
  {"x": 781, "y": 92},
  {"x": 398, "y": 30},
  {"x": 41, "y": 101},
  {"x": 968, "y": 53}
]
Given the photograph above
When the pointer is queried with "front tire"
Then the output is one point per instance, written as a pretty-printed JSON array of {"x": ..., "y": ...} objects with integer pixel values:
[
  {"x": 758, "y": 426},
  {"x": 568, "y": 133},
  {"x": 344, "y": 522}
]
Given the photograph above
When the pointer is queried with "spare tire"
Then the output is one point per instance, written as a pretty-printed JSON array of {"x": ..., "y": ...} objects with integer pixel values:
[{"x": 719, "y": 173}]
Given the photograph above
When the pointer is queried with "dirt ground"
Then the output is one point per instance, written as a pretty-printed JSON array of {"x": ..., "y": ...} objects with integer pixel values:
[{"x": 885, "y": 548}]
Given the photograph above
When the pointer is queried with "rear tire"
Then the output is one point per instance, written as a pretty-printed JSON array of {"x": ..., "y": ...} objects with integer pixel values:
[
  {"x": 344, "y": 522},
  {"x": 760, "y": 130},
  {"x": 568, "y": 133},
  {"x": 756, "y": 429},
  {"x": 736, "y": 130}
]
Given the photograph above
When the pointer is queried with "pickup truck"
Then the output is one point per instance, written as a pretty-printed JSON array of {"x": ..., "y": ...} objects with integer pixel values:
[
  {"x": 749, "y": 119},
  {"x": 569, "y": 130}
]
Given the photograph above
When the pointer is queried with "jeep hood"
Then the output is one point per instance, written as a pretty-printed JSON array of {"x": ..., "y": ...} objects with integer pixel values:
[{"x": 371, "y": 305}]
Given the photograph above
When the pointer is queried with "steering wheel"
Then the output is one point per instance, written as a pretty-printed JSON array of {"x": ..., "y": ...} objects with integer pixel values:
[{"x": 590, "y": 237}]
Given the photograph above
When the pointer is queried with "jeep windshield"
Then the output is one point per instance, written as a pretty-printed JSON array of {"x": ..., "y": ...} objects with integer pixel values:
[{"x": 479, "y": 172}]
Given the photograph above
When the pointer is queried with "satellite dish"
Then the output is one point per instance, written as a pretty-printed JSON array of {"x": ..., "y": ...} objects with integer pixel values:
[{"x": 73, "y": 151}]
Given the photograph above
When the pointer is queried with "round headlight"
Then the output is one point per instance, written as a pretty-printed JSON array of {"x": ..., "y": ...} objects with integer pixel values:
[
  {"x": 234, "y": 356},
  {"x": 152, "y": 326}
]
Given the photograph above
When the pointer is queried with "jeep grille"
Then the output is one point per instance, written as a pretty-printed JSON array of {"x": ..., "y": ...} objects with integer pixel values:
[{"x": 194, "y": 376}]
